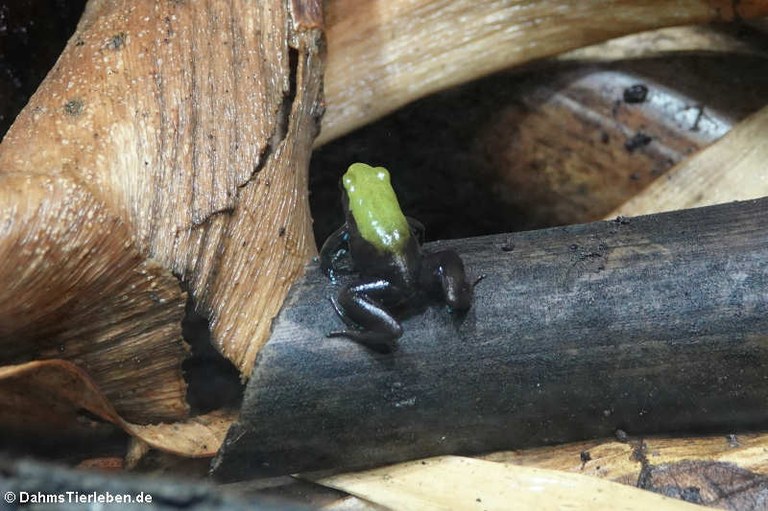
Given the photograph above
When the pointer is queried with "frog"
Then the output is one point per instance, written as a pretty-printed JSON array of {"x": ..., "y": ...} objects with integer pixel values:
[{"x": 393, "y": 272}]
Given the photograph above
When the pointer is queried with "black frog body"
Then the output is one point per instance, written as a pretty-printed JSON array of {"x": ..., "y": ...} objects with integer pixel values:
[{"x": 386, "y": 254}]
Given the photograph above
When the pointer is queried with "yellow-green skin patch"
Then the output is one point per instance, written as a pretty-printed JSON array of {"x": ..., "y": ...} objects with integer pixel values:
[{"x": 374, "y": 207}]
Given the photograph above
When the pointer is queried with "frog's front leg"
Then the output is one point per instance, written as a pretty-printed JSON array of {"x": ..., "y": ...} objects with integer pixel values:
[
  {"x": 443, "y": 273},
  {"x": 360, "y": 306},
  {"x": 334, "y": 250},
  {"x": 417, "y": 229}
]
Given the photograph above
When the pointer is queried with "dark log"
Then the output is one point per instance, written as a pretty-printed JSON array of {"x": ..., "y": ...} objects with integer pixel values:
[{"x": 650, "y": 324}]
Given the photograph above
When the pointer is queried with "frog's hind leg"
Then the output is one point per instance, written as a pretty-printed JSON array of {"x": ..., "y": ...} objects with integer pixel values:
[
  {"x": 445, "y": 275},
  {"x": 359, "y": 305}
]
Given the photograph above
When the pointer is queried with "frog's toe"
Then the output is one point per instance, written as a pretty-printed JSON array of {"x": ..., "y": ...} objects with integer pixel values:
[
  {"x": 459, "y": 299},
  {"x": 376, "y": 341}
]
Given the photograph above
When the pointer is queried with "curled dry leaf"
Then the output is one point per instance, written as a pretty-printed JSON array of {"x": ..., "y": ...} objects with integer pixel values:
[
  {"x": 75, "y": 287},
  {"x": 51, "y": 395},
  {"x": 718, "y": 39},
  {"x": 106, "y": 310},
  {"x": 731, "y": 169},
  {"x": 567, "y": 149},
  {"x": 374, "y": 66},
  {"x": 452, "y": 482}
]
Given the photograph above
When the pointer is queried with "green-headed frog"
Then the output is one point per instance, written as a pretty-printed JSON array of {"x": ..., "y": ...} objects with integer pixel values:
[{"x": 393, "y": 271}]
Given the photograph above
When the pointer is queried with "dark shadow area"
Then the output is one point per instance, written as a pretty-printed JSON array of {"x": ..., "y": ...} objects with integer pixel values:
[
  {"x": 32, "y": 35},
  {"x": 213, "y": 382},
  {"x": 103, "y": 440}
]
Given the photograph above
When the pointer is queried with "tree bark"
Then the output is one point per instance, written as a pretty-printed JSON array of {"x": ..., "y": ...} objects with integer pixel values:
[{"x": 651, "y": 324}]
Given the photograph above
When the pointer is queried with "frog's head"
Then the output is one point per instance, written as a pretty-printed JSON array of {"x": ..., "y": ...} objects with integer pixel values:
[{"x": 373, "y": 206}]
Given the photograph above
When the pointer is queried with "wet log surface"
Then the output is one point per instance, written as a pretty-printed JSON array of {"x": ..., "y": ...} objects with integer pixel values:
[{"x": 650, "y": 324}]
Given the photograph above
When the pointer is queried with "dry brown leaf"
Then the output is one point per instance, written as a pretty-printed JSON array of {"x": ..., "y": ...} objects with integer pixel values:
[
  {"x": 456, "y": 483},
  {"x": 731, "y": 169},
  {"x": 75, "y": 287},
  {"x": 728, "y": 40},
  {"x": 48, "y": 397},
  {"x": 623, "y": 462},
  {"x": 567, "y": 148},
  {"x": 383, "y": 54},
  {"x": 199, "y": 436}
]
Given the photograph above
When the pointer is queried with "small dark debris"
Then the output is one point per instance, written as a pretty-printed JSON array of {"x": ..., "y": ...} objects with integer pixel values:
[
  {"x": 637, "y": 141},
  {"x": 635, "y": 176},
  {"x": 636, "y": 93},
  {"x": 478, "y": 499},
  {"x": 74, "y": 107},
  {"x": 589, "y": 255},
  {"x": 621, "y": 435},
  {"x": 605, "y": 138},
  {"x": 622, "y": 220},
  {"x": 639, "y": 450},
  {"x": 281, "y": 232},
  {"x": 733, "y": 441},
  {"x": 508, "y": 246},
  {"x": 699, "y": 115},
  {"x": 574, "y": 246},
  {"x": 691, "y": 494},
  {"x": 585, "y": 457},
  {"x": 117, "y": 41}
]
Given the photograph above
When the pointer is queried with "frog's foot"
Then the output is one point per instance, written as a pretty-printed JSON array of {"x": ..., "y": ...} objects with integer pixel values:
[
  {"x": 381, "y": 343},
  {"x": 445, "y": 273},
  {"x": 369, "y": 323},
  {"x": 478, "y": 280}
]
